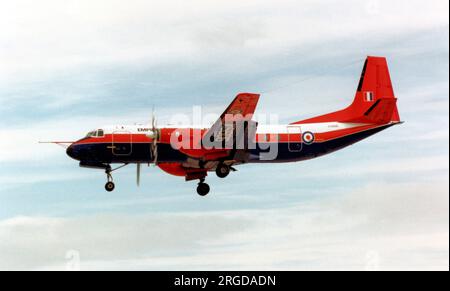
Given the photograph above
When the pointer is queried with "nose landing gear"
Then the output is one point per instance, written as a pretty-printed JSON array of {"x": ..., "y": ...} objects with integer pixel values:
[{"x": 109, "y": 186}]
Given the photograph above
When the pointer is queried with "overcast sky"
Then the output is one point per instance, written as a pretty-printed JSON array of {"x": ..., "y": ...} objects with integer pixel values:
[{"x": 67, "y": 67}]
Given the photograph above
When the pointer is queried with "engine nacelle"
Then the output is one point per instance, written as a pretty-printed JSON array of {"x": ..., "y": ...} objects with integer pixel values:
[{"x": 177, "y": 169}]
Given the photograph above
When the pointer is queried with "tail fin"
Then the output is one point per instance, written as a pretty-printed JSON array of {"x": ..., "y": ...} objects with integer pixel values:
[
  {"x": 375, "y": 97},
  {"x": 374, "y": 102}
]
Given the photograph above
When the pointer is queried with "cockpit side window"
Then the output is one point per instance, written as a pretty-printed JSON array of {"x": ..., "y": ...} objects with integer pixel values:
[{"x": 100, "y": 133}]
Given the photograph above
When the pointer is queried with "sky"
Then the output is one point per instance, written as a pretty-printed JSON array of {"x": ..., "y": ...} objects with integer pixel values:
[{"x": 67, "y": 67}]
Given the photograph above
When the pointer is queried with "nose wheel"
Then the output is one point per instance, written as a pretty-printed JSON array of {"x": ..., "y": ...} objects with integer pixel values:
[
  {"x": 203, "y": 188},
  {"x": 109, "y": 186}
]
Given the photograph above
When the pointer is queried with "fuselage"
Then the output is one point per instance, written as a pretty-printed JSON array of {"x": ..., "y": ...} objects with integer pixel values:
[{"x": 272, "y": 144}]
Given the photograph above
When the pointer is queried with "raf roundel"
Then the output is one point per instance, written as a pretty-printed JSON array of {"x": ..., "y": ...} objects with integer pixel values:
[{"x": 308, "y": 137}]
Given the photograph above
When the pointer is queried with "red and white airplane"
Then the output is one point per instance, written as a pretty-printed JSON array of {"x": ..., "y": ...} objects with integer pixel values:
[{"x": 236, "y": 139}]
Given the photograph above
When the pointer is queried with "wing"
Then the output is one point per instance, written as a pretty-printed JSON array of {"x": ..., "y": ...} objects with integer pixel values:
[
  {"x": 227, "y": 142},
  {"x": 231, "y": 122},
  {"x": 229, "y": 139}
]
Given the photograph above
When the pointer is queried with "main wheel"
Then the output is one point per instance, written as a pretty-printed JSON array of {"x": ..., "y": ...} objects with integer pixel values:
[
  {"x": 109, "y": 186},
  {"x": 203, "y": 189},
  {"x": 222, "y": 171}
]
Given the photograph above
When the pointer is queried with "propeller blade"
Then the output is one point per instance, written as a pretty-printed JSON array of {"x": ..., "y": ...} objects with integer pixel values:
[
  {"x": 153, "y": 117},
  {"x": 155, "y": 137},
  {"x": 138, "y": 174},
  {"x": 155, "y": 153}
]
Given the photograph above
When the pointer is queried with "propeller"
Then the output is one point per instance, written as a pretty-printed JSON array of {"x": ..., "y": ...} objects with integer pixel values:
[{"x": 155, "y": 137}]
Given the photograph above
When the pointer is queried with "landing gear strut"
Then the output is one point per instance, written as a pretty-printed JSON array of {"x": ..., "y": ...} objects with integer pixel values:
[{"x": 203, "y": 188}]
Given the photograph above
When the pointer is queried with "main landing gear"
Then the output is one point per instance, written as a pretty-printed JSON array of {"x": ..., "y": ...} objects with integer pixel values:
[
  {"x": 222, "y": 170},
  {"x": 203, "y": 188}
]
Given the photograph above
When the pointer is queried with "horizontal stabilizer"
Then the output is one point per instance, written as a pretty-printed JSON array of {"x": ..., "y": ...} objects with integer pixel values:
[{"x": 381, "y": 112}]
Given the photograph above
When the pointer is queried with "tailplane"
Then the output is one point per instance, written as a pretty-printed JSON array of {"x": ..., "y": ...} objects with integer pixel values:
[
  {"x": 374, "y": 101},
  {"x": 381, "y": 112}
]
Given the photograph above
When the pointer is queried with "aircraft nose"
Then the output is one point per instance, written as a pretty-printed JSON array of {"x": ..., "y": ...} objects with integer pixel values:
[{"x": 71, "y": 152}]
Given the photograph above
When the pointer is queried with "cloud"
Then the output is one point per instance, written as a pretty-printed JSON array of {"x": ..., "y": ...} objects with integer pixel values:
[
  {"x": 97, "y": 58},
  {"x": 47, "y": 39},
  {"x": 113, "y": 237},
  {"x": 382, "y": 226}
]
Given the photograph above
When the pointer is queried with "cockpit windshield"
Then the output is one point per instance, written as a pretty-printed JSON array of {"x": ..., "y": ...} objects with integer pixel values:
[{"x": 96, "y": 133}]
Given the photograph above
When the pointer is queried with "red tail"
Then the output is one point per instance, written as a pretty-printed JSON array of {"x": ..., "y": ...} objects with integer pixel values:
[{"x": 374, "y": 102}]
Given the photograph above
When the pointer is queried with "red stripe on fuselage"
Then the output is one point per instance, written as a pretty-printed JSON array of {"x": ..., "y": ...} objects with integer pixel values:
[{"x": 260, "y": 138}]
